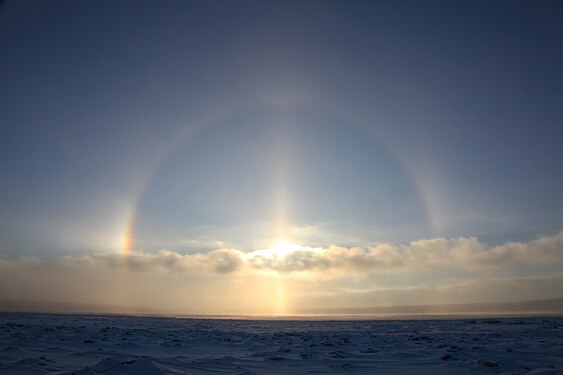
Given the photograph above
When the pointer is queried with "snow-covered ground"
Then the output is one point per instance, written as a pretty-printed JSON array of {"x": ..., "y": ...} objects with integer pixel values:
[{"x": 81, "y": 344}]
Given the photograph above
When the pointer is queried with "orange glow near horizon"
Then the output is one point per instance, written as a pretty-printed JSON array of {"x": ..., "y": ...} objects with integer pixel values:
[{"x": 126, "y": 242}]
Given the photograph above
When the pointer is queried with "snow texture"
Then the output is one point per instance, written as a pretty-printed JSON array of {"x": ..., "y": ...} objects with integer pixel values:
[{"x": 110, "y": 345}]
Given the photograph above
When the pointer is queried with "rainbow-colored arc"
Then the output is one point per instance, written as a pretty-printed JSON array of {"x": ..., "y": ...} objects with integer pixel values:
[{"x": 190, "y": 131}]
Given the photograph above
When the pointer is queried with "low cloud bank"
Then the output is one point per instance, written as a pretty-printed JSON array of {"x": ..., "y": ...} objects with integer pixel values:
[
  {"x": 221, "y": 261},
  {"x": 463, "y": 252},
  {"x": 458, "y": 270},
  {"x": 458, "y": 253}
]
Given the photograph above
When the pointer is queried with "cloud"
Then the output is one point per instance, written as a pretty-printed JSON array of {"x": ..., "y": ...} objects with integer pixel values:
[
  {"x": 221, "y": 261},
  {"x": 466, "y": 253},
  {"x": 299, "y": 260},
  {"x": 463, "y": 253},
  {"x": 464, "y": 285},
  {"x": 310, "y": 276},
  {"x": 22, "y": 262},
  {"x": 477, "y": 288}
]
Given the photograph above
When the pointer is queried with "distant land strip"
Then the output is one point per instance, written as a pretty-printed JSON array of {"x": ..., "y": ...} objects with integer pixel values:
[
  {"x": 541, "y": 306},
  {"x": 554, "y": 305}
]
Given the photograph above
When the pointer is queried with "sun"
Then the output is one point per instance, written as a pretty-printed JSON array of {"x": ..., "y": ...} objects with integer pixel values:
[{"x": 282, "y": 248}]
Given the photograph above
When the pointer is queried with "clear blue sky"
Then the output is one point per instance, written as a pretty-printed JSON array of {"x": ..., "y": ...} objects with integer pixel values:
[{"x": 196, "y": 125}]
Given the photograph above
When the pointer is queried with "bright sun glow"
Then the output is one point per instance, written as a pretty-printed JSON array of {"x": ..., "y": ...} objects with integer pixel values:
[{"x": 282, "y": 248}]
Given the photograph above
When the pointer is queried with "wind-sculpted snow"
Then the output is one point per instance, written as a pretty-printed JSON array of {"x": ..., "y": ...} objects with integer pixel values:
[{"x": 78, "y": 344}]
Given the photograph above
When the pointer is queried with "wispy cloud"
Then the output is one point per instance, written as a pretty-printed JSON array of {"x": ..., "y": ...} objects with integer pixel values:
[
  {"x": 477, "y": 288},
  {"x": 470, "y": 284}
]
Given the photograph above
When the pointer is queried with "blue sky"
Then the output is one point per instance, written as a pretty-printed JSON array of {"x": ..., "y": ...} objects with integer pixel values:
[{"x": 196, "y": 126}]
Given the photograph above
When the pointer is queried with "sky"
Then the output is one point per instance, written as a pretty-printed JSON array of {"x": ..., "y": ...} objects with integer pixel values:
[{"x": 273, "y": 156}]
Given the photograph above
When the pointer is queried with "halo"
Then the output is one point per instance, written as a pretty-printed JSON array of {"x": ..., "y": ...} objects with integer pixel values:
[{"x": 189, "y": 132}]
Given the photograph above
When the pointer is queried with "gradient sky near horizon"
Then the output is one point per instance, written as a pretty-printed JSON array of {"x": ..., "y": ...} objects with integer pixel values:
[{"x": 421, "y": 139}]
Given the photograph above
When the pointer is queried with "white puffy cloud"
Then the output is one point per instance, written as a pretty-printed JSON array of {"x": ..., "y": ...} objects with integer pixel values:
[
  {"x": 466, "y": 253},
  {"x": 458, "y": 253},
  {"x": 225, "y": 280}
]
